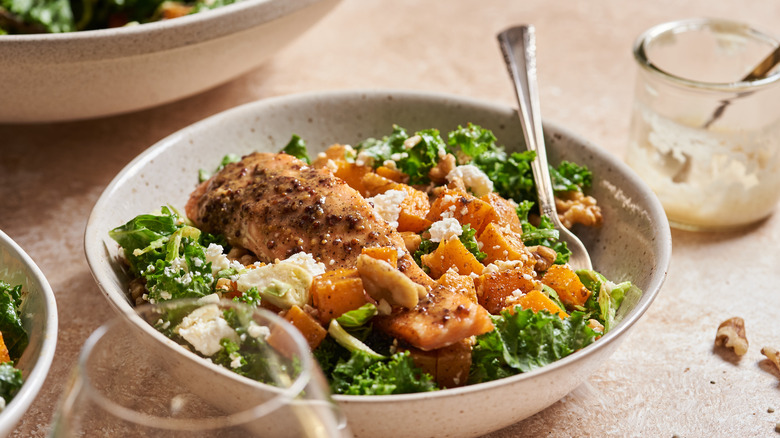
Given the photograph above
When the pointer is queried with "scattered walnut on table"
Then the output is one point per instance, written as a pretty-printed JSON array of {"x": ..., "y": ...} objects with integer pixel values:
[
  {"x": 731, "y": 334},
  {"x": 773, "y": 355}
]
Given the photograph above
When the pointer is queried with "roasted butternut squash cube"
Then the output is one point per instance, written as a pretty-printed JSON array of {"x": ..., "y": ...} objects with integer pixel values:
[
  {"x": 506, "y": 215},
  {"x": 352, "y": 174},
  {"x": 386, "y": 253},
  {"x": 462, "y": 284},
  {"x": 465, "y": 208},
  {"x": 449, "y": 366},
  {"x": 567, "y": 284},
  {"x": 392, "y": 174},
  {"x": 414, "y": 209},
  {"x": 374, "y": 184},
  {"x": 337, "y": 292},
  {"x": 451, "y": 254},
  {"x": 312, "y": 331},
  {"x": 493, "y": 288},
  {"x": 453, "y": 364},
  {"x": 336, "y": 152},
  {"x": 536, "y": 301},
  {"x": 501, "y": 243},
  {"x": 4, "y": 356}
]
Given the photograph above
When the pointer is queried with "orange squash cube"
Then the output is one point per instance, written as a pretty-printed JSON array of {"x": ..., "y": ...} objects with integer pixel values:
[
  {"x": 386, "y": 253},
  {"x": 501, "y": 243},
  {"x": 312, "y": 331},
  {"x": 462, "y": 284},
  {"x": 374, "y": 184},
  {"x": 392, "y": 174},
  {"x": 352, "y": 174},
  {"x": 537, "y": 301},
  {"x": 495, "y": 287},
  {"x": 414, "y": 209},
  {"x": 506, "y": 215},
  {"x": 451, "y": 254},
  {"x": 567, "y": 284},
  {"x": 337, "y": 292},
  {"x": 465, "y": 208},
  {"x": 4, "y": 356}
]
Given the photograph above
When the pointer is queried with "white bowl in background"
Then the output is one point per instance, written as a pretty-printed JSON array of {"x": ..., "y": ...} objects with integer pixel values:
[
  {"x": 633, "y": 244},
  {"x": 39, "y": 316},
  {"x": 78, "y": 75}
]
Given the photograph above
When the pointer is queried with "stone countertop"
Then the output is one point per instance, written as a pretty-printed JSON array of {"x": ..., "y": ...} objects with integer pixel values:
[{"x": 665, "y": 380}]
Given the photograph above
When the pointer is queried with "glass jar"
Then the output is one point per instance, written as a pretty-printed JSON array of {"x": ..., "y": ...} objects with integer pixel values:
[{"x": 705, "y": 137}]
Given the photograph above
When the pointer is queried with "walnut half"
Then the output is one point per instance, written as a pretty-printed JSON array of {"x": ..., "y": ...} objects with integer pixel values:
[
  {"x": 731, "y": 334},
  {"x": 773, "y": 355}
]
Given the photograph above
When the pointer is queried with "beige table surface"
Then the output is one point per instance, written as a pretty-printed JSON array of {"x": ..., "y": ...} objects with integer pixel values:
[{"x": 664, "y": 380}]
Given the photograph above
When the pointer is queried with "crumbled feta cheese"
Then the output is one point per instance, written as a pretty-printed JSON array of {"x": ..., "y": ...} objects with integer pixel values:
[
  {"x": 166, "y": 295},
  {"x": 445, "y": 229},
  {"x": 235, "y": 360},
  {"x": 258, "y": 331},
  {"x": 383, "y": 307},
  {"x": 204, "y": 328},
  {"x": 218, "y": 260},
  {"x": 179, "y": 263},
  {"x": 331, "y": 165},
  {"x": 390, "y": 164},
  {"x": 198, "y": 262},
  {"x": 473, "y": 178},
  {"x": 307, "y": 262},
  {"x": 388, "y": 205},
  {"x": 398, "y": 156}
]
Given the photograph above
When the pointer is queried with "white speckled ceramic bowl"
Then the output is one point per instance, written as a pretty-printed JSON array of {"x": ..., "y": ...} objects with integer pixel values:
[
  {"x": 634, "y": 243},
  {"x": 78, "y": 75},
  {"x": 39, "y": 316}
]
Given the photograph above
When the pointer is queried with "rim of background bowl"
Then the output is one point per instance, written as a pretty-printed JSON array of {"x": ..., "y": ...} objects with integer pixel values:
[
  {"x": 654, "y": 209},
  {"x": 34, "y": 381},
  {"x": 102, "y": 44}
]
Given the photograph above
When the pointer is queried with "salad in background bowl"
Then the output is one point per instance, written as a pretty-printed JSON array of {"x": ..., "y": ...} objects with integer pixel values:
[
  {"x": 626, "y": 248},
  {"x": 28, "y": 323}
]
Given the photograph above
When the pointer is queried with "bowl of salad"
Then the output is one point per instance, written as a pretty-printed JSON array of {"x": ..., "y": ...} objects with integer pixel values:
[
  {"x": 398, "y": 231},
  {"x": 68, "y": 60},
  {"x": 28, "y": 332}
]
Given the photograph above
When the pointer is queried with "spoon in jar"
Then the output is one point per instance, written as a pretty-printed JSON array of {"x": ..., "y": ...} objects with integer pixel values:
[{"x": 519, "y": 47}]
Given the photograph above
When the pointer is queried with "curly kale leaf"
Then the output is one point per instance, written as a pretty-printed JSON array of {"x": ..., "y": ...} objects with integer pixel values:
[
  {"x": 523, "y": 341},
  {"x": 364, "y": 375},
  {"x": 297, "y": 148},
  {"x": 10, "y": 381},
  {"x": 14, "y": 335}
]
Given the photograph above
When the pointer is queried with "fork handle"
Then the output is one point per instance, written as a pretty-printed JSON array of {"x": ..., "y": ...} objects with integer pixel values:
[{"x": 519, "y": 47}]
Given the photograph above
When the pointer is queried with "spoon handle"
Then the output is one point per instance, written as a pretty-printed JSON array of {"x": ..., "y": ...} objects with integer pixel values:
[{"x": 519, "y": 47}]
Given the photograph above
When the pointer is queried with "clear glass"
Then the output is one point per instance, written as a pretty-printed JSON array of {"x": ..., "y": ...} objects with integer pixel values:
[
  {"x": 131, "y": 380},
  {"x": 709, "y": 173}
]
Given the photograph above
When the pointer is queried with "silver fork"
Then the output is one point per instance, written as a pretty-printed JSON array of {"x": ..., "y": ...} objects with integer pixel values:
[{"x": 519, "y": 47}]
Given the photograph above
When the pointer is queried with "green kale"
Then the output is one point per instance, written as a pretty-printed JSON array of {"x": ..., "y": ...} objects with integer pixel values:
[
  {"x": 38, "y": 16},
  {"x": 205, "y": 5},
  {"x": 251, "y": 297},
  {"x": 297, "y": 148},
  {"x": 525, "y": 340},
  {"x": 415, "y": 159},
  {"x": 14, "y": 335},
  {"x": 570, "y": 177},
  {"x": 545, "y": 234},
  {"x": 510, "y": 173},
  {"x": 227, "y": 159},
  {"x": 10, "y": 381},
  {"x": 364, "y": 375},
  {"x": 329, "y": 354},
  {"x": 168, "y": 254},
  {"x": 473, "y": 140}
]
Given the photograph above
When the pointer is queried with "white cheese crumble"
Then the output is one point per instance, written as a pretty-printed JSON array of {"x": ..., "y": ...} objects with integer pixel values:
[
  {"x": 473, "y": 178},
  {"x": 235, "y": 360},
  {"x": 307, "y": 262},
  {"x": 388, "y": 205},
  {"x": 258, "y": 331},
  {"x": 445, "y": 229},
  {"x": 204, "y": 328}
]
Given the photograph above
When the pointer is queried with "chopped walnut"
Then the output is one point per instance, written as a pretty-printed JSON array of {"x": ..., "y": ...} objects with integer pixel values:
[
  {"x": 773, "y": 355},
  {"x": 576, "y": 208},
  {"x": 241, "y": 255},
  {"x": 137, "y": 290},
  {"x": 595, "y": 325},
  {"x": 545, "y": 257},
  {"x": 438, "y": 174},
  {"x": 731, "y": 334}
]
